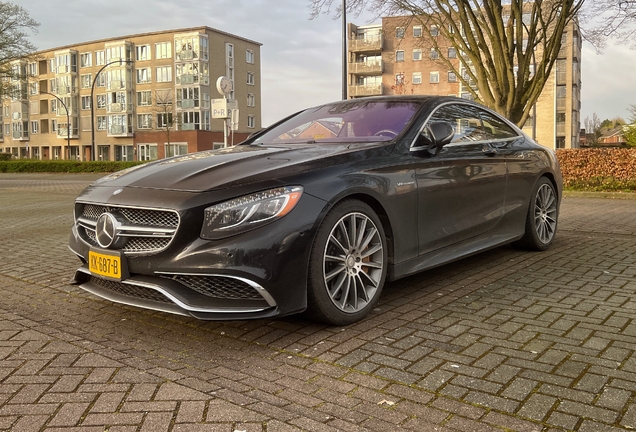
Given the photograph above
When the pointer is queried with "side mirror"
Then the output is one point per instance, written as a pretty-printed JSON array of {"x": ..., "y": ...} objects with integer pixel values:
[{"x": 436, "y": 136}]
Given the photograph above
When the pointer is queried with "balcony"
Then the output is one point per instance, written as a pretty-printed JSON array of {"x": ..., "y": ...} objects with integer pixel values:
[
  {"x": 561, "y": 78},
  {"x": 368, "y": 43},
  {"x": 366, "y": 68},
  {"x": 560, "y": 129},
  {"x": 62, "y": 90},
  {"x": 117, "y": 107},
  {"x": 560, "y": 104},
  {"x": 186, "y": 55},
  {"x": 188, "y": 103},
  {"x": 187, "y": 79},
  {"x": 119, "y": 130},
  {"x": 21, "y": 135},
  {"x": 61, "y": 132},
  {"x": 188, "y": 126},
  {"x": 365, "y": 90},
  {"x": 116, "y": 85}
]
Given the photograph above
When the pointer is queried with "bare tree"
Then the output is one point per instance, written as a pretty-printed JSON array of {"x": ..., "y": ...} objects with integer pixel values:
[
  {"x": 592, "y": 129},
  {"x": 166, "y": 118},
  {"x": 610, "y": 19},
  {"x": 15, "y": 24},
  {"x": 506, "y": 49},
  {"x": 632, "y": 113}
]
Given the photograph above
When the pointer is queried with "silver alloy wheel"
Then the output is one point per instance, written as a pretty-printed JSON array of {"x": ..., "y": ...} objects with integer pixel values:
[
  {"x": 353, "y": 262},
  {"x": 545, "y": 209}
]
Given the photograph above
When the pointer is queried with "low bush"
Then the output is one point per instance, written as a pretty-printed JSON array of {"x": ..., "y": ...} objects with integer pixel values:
[
  {"x": 5, "y": 156},
  {"x": 598, "y": 169},
  {"x": 65, "y": 166}
]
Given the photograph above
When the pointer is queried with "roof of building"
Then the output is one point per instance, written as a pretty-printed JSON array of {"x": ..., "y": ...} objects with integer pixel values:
[{"x": 116, "y": 38}]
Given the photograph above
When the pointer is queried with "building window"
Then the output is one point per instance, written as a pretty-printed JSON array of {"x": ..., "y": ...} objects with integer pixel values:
[
  {"x": 144, "y": 98},
  {"x": 164, "y": 120},
  {"x": 417, "y": 54},
  {"x": 33, "y": 69},
  {"x": 100, "y": 58},
  {"x": 399, "y": 56},
  {"x": 142, "y": 52},
  {"x": 176, "y": 149},
  {"x": 417, "y": 78},
  {"x": 147, "y": 152},
  {"x": 86, "y": 102},
  {"x": 100, "y": 80},
  {"x": 35, "y": 127},
  {"x": 144, "y": 121},
  {"x": 86, "y": 81},
  {"x": 434, "y": 54},
  {"x": 452, "y": 52},
  {"x": 102, "y": 121},
  {"x": 250, "y": 78},
  {"x": 54, "y": 126},
  {"x": 249, "y": 56},
  {"x": 164, "y": 74},
  {"x": 101, "y": 101},
  {"x": 250, "y": 121},
  {"x": 251, "y": 100},
  {"x": 434, "y": 77},
  {"x": 53, "y": 105},
  {"x": 452, "y": 77},
  {"x": 33, "y": 89},
  {"x": 434, "y": 30},
  {"x": 399, "y": 79},
  {"x": 417, "y": 31},
  {"x": 399, "y": 32},
  {"x": 86, "y": 59},
  {"x": 163, "y": 50},
  {"x": 143, "y": 76}
]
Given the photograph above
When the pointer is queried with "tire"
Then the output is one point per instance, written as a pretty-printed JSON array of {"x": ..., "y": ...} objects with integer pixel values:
[
  {"x": 542, "y": 217},
  {"x": 347, "y": 270}
]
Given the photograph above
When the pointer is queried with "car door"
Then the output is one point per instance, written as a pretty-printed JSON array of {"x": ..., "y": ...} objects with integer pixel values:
[{"x": 461, "y": 190}]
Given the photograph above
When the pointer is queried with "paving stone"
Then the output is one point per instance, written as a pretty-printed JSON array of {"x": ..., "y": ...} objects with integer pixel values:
[{"x": 504, "y": 340}]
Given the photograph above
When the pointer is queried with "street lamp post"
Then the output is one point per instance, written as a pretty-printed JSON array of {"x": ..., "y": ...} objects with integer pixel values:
[
  {"x": 344, "y": 49},
  {"x": 93, "y": 105},
  {"x": 68, "y": 123}
]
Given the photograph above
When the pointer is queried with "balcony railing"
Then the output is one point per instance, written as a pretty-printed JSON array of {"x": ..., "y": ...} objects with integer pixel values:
[
  {"x": 188, "y": 126},
  {"x": 187, "y": 79},
  {"x": 65, "y": 90},
  {"x": 117, "y": 107},
  {"x": 365, "y": 90},
  {"x": 22, "y": 135},
  {"x": 186, "y": 55},
  {"x": 187, "y": 103},
  {"x": 119, "y": 130},
  {"x": 560, "y": 103},
  {"x": 560, "y": 129},
  {"x": 116, "y": 85},
  {"x": 368, "y": 43},
  {"x": 366, "y": 68}
]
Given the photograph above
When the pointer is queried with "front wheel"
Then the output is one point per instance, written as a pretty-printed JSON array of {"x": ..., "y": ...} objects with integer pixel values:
[
  {"x": 542, "y": 217},
  {"x": 348, "y": 264}
]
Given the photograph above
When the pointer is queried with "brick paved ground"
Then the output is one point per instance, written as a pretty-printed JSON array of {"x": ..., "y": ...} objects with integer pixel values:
[{"x": 507, "y": 340}]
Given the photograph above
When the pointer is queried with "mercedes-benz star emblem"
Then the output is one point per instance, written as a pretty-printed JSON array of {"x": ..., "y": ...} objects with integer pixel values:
[{"x": 106, "y": 230}]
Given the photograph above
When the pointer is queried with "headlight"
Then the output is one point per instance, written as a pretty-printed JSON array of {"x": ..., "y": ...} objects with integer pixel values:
[{"x": 249, "y": 212}]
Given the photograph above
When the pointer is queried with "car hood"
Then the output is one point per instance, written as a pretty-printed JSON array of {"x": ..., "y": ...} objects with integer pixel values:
[{"x": 219, "y": 169}]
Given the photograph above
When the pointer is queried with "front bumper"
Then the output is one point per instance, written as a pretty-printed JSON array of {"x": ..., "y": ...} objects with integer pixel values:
[{"x": 257, "y": 274}]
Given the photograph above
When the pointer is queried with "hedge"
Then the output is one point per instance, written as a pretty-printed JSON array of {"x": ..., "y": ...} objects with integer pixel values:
[
  {"x": 64, "y": 166},
  {"x": 598, "y": 169},
  {"x": 583, "y": 169}
]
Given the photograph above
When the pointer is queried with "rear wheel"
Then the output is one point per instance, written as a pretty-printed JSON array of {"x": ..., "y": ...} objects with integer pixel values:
[
  {"x": 348, "y": 264},
  {"x": 541, "y": 220}
]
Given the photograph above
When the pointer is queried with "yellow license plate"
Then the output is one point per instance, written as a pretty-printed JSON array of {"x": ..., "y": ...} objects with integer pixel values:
[{"x": 105, "y": 264}]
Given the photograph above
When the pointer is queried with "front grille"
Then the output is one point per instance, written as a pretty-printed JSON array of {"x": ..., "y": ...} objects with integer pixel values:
[
  {"x": 135, "y": 220},
  {"x": 218, "y": 287},
  {"x": 135, "y": 291}
]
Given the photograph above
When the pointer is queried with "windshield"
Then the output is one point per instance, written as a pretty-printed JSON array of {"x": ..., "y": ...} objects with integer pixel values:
[{"x": 344, "y": 121}]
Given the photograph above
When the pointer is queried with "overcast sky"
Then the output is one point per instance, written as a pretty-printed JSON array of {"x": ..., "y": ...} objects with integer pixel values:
[{"x": 301, "y": 59}]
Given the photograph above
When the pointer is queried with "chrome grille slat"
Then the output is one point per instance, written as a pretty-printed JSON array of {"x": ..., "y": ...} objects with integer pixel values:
[{"x": 148, "y": 230}]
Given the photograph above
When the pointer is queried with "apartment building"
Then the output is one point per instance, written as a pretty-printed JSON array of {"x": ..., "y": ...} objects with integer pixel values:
[
  {"x": 138, "y": 97},
  {"x": 395, "y": 57}
]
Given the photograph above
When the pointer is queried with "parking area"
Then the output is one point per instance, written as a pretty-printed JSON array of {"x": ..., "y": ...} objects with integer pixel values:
[{"x": 506, "y": 340}]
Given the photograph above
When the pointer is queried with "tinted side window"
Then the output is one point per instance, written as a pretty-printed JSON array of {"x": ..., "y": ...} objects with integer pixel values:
[
  {"x": 496, "y": 126},
  {"x": 465, "y": 120}
]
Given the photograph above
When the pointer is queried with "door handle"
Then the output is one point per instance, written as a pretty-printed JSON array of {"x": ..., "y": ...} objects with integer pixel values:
[{"x": 489, "y": 151}]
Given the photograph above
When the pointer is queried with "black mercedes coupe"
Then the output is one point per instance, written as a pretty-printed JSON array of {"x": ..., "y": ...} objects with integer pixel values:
[{"x": 316, "y": 212}]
